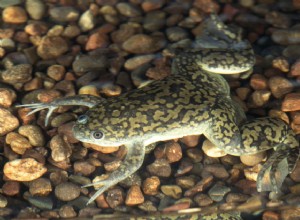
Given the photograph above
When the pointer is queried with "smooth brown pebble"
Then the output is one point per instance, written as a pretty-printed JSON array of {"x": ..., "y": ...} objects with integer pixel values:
[
  {"x": 40, "y": 187},
  {"x": 211, "y": 150},
  {"x": 160, "y": 167},
  {"x": 67, "y": 211},
  {"x": 280, "y": 86},
  {"x": 7, "y": 97},
  {"x": 14, "y": 15},
  {"x": 67, "y": 191},
  {"x": 115, "y": 197},
  {"x": 173, "y": 151},
  {"x": 84, "y": 168},
  {"x": 34, "y": 134},
  {"x": 290, "y": 103},
  {"x": 17, "y": 142},
  {"x": 258, "y": 82},
  {"x": 173, "y": 191},
  {"x": 60, "y": 149},
  {"x": 11, "y": 188}
]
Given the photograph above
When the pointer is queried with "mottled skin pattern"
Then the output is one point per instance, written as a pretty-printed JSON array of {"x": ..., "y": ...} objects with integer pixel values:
[{"x": 195, "y": 99}]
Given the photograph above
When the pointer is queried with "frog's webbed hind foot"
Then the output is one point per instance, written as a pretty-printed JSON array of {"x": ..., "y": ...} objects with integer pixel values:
[
  {"x": 78, "y": 100},
  {"x": 273, "y": 172}
]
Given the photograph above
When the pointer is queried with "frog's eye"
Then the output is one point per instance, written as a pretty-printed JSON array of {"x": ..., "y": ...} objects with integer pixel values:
[
  {"x": 97, "y": 134},
  {"x": 82, "y": 119}
]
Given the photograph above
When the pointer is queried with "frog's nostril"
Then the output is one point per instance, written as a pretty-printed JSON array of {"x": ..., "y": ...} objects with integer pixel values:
[{"x": 82, "y": 119}]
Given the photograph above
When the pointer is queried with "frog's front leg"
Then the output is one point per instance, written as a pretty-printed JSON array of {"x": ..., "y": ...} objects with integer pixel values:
[
  {"x": 79, "y": 100},
  {"x": 132, "y": 162}
]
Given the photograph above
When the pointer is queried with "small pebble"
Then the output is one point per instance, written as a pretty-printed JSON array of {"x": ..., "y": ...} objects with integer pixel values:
[
  {"x": 56, "y": 72},
  {"x": 134, "y": 196},
  {"x": 175, "y": 34},
  {"x": 84, "y": 63},
  {"x": 203, "y": 200},
  {"x": 281, "y": 63},
  {"x": 115, "y": 197},
  {"x": 67, "y": 211},
  {"x": 35, "y": 8},
  {"x": 11, "y": 188},
  {"x": 290, "y": 103},
  {"x": 14, "y": 15},
  {"x": 243, "y": 92},
  {"x": 253, "y": 159},
  {"x": 151, "y": 185},
  {"x": 150, "y": 5},
  {"x": 280, "y": 86},
  {"x": 84, "y": 168},
  {"x": 8, "y": 122},
  {"x": 185, "y": 182},
  {"x": 195, "y": 154},
  {"x": 270, "y": 215},
  {"x": 251, "y": 204},
  {"x": 40, "y": 187},
  {"x": 218, "y": 191},
  {"x": 67, "y": 191},
  {"x": 41, "y": 202},
  {"x": 233, "y": 197},
  {"x": 97, "y": 40},
  {"x": 17, "y": 142},
  {"x": 200, "y": 186},
  {"x": 154, "y": 21},
  {"x": 24, "y": 169},
  {"x": 173, "y": 191},
  {"x": 160, "y": 167},
  {"x": 295, "y": 68},
  {"x": 137, "y": 61},
  {"x": 211, "y": 150},
  {"x": 142, "y": 44},
  {"x": 260, "y": 97},
  {"x": 60, "y": 149},
  {"x": 64, "y": 14},
  {"x": 173, "y": 152},
  {"x": 277, "y": 19},
  {"x": 52, "y": 47},
  {"x": 34, "y": 134},
  {"x": 258, "y": 82},
  {"x": 191, "y": 140},
  {"x": 3, "y": 201},
  {"x": 128, "y": 9},
  {"x": 86, "y": 21},
  {"x": 17, "y": 74},
  {"x": 286, "y": 36},
  {"x": 217, "y": 170}
]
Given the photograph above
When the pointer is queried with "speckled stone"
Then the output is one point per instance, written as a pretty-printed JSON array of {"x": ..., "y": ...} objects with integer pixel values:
[{"x": 67, "y": 191}]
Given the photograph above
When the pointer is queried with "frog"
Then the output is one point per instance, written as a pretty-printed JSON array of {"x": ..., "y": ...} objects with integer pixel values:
[{"x": 193, "y": 100}]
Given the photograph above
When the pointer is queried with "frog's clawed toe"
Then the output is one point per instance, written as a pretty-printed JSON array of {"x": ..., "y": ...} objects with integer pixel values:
[
  {"x": 104, "y": 185},
  {"x": 36, "y": 107}
]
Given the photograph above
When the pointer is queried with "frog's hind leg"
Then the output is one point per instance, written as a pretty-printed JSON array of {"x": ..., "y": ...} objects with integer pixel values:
[
  {"x": 133, "y": 161},
  {"x": 78, "y": 100},
  {"x": 266, "y": 133}
]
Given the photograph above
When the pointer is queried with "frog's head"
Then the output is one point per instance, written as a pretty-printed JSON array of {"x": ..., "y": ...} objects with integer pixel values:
[{"x": 103, "y": 126}]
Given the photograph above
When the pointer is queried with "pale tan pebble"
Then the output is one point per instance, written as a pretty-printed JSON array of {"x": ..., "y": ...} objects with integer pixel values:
[
  {"x": 211, "y": 150},
  {"x": 243, "y": 92},
  {"x": 217, "y": 170},
  {"x": 281, "y": 63},
  {"x": 86, "y": 21},
  {"x": 61, "y": 119},
  {"x": 24, "y": 169},
  {"x": 55, "y": 31},
  {"x": 34, "y": 133},
  {"x": 8, "y": 122},
  {"x": 200, "y": 186},
  {"x": 280, "y": 86},
  {"x": 3, "y": 201},
  {"x": 52, "y": 47},
  {"x": 236, "y": 197},
  {"x": 291, "y": 102},
  {"x": 71, "y": 31},
  {"x": 113, "y": 165},
  {"x": 35, "y": 8},
  {"x": 173, "y": 191},
  {"x": 17, "y": 142},
  {"x": 40, "y": 187},
  {"x": 274, "y": 113},
  {"x": 151, "y": 185},
  {"x": 2, "y": 52},
  {"x": 251, "y": 173},
  {"x": 253, "y": 159},
  {"x": 110, "y": 90},
  {"x": 14, "y": 15},
  {"x": 105, "y": 150},
  {"x": 160, "y": 167},
  {"x": 60, "y": 149},
  {"x": 260, "y": 97},
  {"x": 186, "y": 182},
  {"x": 7, "y": 97},
  {"x": 258, "y": 82},
  {"x": 89, "y": 90},
  {"x": 128, "y": 9},
  {"x": 134, "y": 196}
]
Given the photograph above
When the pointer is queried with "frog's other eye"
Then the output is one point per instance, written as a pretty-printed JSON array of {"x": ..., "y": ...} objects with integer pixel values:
[
  {"x": 97, "y": 134},
  {"x": 82, "y": 119}
]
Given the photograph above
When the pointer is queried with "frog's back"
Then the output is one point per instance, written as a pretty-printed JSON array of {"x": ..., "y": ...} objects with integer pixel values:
[{"x": 174, "y": 107}]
